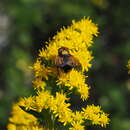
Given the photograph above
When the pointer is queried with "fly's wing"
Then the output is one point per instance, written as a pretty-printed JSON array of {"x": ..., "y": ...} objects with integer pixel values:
[
  {"x": 59, "y": 61},
  {"x": 73, "y": 61}
]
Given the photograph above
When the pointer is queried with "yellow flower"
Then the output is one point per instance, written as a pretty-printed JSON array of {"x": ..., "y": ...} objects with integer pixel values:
[
  {"x": 39, "y": 84},
  {"x": 27, "y": 102},
  {"x": 104, "y": 120},
  {"x": 63, "y": 113},
  {"x": 37, "y": 103},
  {"x": 96, "y": 115},
  {"x": 50, "y": 52},
  {"x": 61, "y": 98},
  {"x": 77, "y": 117},
  {"x": 76, "y": 126},
  {"x": 74, "y": 79},
  {"x": 41, "y": 100},
  {"x": 40, "y": 70},
  {"x": 81, "y": 31},
  {"x": 77, "y": 38},
  {"x": 21, "y": 119},
  {"x": 11, "y": 126},
  {"x": 60, "y": 108},
  {"x": 84, "y": 56}
]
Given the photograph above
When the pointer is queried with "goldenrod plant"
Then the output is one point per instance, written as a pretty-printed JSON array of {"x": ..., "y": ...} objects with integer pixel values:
[{"x": 59, "y": 74}]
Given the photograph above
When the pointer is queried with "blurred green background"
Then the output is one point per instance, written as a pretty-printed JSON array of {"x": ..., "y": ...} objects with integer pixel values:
[{"x": 26, "y": 24}]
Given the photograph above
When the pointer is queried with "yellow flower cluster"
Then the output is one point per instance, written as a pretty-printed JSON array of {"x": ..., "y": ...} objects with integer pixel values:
[
  {"x": 74, "y": 79},
  {"x": 128, "y": 67},
  {"x": 96, "y": 115},
  {"x": 21, "y": 120},
  {"x": 53, "y": 85},
  {"x": 58, "y": 106},
  {"x": 44, "y": 100},
  {"x": 77, "y": 38}
]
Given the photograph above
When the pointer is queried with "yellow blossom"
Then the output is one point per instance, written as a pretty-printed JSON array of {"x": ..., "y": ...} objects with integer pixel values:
[
  {"x": 50, "y": 52},
  {"x": 77, "y": 117},
  {"x": 74, "y": 79},
  {"x": 96, "y": 115},
  {"x": 77, "y": 37},
  {"x": 21, "y": 119},
  {"x": 40, "y": 70},
  {"x": 39, "y": 84},
  {"x": 37, "y": 103},
  {"x": 60, "y": 108},
  {"x": 41, "y": 100},
  {"x": 84, "y": 57},
  {"x": 77, "y": 126},
  {"x": 26, "y": 102},
  {"x": 104, "y": 120}
]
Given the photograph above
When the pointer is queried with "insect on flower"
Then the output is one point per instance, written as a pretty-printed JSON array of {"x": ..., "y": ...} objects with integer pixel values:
[{"x": 65, "y": 61}]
